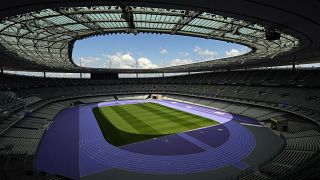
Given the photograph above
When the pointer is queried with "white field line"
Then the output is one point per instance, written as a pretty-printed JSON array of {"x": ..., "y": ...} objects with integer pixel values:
[
  {"x": 256, "y": 125},
  {"x": 210, "y": 107},
  {"x": 199, "y": 128}
]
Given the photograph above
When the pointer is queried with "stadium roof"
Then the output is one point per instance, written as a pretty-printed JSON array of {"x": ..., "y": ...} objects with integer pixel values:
[{"x": 43, "y": 39}]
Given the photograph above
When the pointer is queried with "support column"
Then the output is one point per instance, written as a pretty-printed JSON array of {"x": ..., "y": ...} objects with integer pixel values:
[
  {"x": 1, "y": 70},
  {"x": 44, "y": 75},
  {"x": 294, "y": 64}
]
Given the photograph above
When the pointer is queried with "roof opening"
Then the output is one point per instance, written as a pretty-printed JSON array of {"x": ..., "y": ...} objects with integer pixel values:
[{"x": 146, "y": 51}]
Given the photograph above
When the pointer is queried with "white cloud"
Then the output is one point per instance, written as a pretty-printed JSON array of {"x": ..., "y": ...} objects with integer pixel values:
[
  {"x": 119, "y": 60},
  {"x": 163, "y": 51},
  {"x": 233, "y": 52},
  {"x": 90, "y": 62},
  {"x": 205, "y": 52},
  {"x": 176, "y": 62},
  {"x": 127, "y": 61},
  {"x": 145, "y": 63}
]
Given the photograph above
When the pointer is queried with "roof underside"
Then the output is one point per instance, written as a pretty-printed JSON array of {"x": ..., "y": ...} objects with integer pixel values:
[{"x": 45, "y": 38}]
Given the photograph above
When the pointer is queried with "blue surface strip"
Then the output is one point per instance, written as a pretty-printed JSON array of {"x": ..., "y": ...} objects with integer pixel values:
[{"x": 195, "y": 141}]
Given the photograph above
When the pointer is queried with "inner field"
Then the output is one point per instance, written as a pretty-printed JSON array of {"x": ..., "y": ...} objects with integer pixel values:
[{"x": 126, "y": 124}]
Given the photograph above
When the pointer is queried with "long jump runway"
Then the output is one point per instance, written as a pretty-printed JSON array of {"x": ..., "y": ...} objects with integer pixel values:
[{"x": 80, "y": 149}]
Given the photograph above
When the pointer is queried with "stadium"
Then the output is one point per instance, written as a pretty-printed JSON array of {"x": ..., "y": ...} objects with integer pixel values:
[{"x": 250, "y": 115}]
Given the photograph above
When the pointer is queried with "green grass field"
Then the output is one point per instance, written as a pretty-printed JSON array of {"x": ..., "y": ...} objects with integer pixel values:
[{"x": 126, "y": 124}]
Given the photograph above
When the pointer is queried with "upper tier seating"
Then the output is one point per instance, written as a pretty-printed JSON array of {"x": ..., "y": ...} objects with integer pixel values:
[{"x": 292, "y": 91}]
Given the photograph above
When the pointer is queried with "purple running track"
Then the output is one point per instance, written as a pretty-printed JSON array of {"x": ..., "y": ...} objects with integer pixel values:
[
  {"x": 96, "y": 154},
  {"x": 165, "y": 146},
  {"x": 58, "y": 152}
]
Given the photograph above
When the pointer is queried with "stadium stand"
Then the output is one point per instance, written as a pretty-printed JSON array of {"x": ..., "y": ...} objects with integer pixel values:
[
  {"x": 24, "y": 127},
  {"x": 300, "y": 149},
  {"x": 304, "y": 103},
  {"x": 38, "y": 37}
]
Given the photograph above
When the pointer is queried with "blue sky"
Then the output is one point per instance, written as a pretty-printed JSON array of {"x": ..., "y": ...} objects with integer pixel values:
[{"x": 150, "y": 50}]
